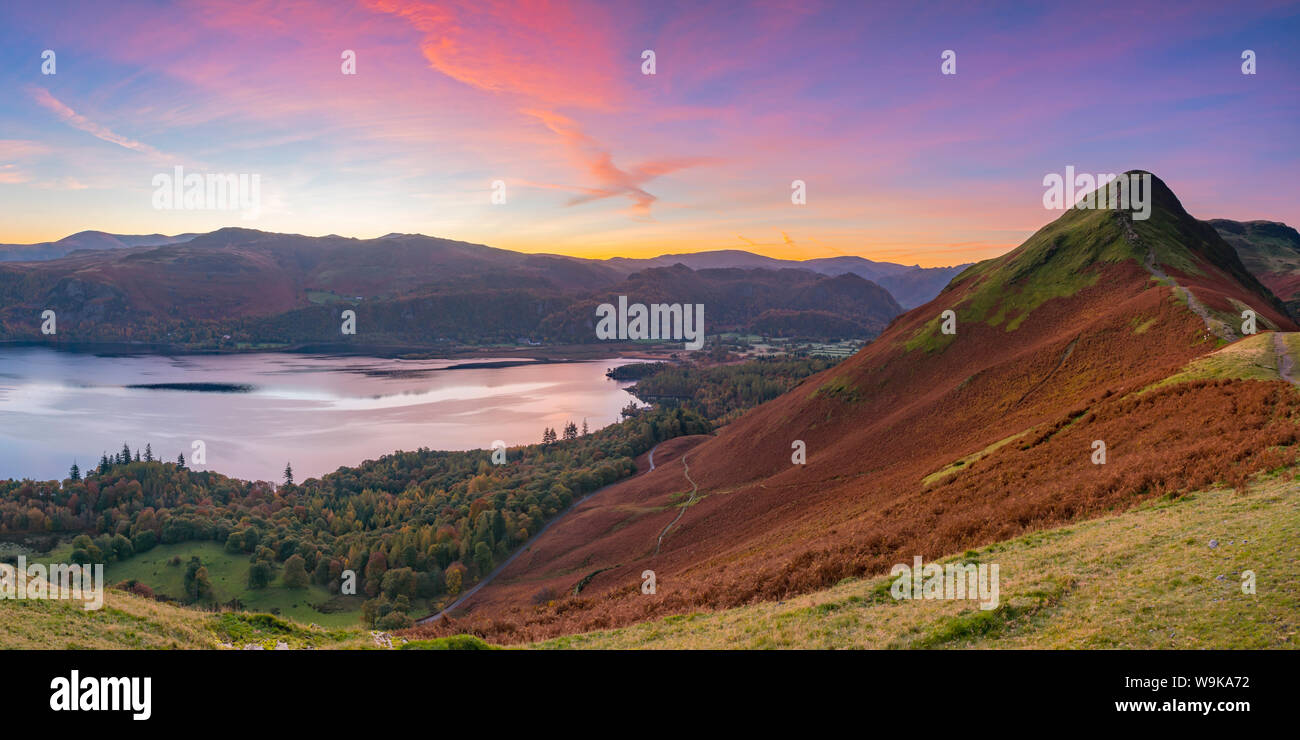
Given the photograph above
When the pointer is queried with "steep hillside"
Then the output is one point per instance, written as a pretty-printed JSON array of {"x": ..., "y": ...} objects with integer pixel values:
[
  {"x": 1271, "y": 251},
  {"x": 926, "y": 443},
  {"x": 1168, "y": 574}
]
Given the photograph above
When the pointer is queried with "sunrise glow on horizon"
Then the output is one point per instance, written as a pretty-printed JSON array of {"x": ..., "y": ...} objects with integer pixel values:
[{"x": 901, "y": 163}]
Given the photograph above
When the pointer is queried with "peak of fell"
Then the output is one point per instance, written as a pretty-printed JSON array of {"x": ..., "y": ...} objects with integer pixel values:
[{"x": 1072, "y": 252}]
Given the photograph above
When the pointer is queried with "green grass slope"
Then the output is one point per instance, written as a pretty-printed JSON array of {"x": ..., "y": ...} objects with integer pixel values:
[
  {"x": 229, "y": 576},
  {"x": 130, "y": 622},
  {"x": 1253, "y": 358}
]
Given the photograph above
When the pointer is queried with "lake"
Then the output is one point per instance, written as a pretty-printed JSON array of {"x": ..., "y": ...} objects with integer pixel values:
[{"x": 255, "y": 412}]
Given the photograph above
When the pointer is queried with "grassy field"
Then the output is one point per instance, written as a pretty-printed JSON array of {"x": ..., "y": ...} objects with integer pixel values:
[
  {"x": 229, "y": 575},
  {"x": 130, "y": 622},
  {"x": 1166, "y": 575}
]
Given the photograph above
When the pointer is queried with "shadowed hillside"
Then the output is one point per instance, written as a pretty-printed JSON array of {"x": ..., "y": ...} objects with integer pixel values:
[{"x": 1271, "y": 251}]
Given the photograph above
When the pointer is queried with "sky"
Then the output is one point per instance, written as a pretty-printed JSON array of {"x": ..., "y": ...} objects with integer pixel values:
[{"x": 899, "y": 161}]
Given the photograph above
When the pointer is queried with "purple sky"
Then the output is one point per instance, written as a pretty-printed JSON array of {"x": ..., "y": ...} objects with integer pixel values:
[{"x": 900, "y": 161}]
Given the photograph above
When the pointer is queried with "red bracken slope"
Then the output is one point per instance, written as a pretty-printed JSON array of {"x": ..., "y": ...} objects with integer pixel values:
[{"x": 1053, "y": 342}]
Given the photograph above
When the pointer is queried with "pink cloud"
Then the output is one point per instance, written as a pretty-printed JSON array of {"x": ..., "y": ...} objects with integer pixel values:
[
  {"x": 556, "y": 52},
  {"x": 599, "y": 164}
]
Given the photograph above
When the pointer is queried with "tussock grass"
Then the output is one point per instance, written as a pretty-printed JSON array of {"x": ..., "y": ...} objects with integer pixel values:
[
  {"x": 958, "y": 465},
  {"x": 125, "y": 622},
  {"x": 128, "y": 621},
  {"x": 455, "y": 642}
]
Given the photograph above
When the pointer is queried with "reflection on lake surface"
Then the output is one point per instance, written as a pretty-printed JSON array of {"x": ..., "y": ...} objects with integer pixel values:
[{"x": 255, "y": 412}]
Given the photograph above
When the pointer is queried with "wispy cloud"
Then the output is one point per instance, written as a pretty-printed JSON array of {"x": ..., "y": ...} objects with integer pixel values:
[
  {"x": 13, "y": 152},
  {"x": 78, "y": 121}
]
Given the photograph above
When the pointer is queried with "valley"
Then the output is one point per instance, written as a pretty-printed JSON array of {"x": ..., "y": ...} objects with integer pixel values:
[{"x": 1098, "y": 333}]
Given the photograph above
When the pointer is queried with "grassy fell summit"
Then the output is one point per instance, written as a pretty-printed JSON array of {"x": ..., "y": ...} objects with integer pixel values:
[
  {"x": 1074, "y": 251},
  {"x": 925, "y": 443}
]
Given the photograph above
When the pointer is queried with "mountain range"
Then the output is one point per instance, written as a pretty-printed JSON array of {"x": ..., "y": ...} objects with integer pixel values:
[{"x": 240, "y": 287}]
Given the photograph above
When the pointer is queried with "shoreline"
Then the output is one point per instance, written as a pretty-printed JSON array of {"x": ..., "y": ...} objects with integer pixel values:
[{"x": 529, "y": 354}]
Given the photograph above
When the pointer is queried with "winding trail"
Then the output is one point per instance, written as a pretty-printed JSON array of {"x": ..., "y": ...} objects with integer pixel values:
[
  {"x": 1285, "y": 362},
  {"x": 686, "y": 470},
  {"x": 1218, "y": 328},
  {"x": 524, "y": 548}
]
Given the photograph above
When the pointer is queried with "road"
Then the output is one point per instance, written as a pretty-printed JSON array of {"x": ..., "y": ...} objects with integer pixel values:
[{"x": 519, "y": 551}]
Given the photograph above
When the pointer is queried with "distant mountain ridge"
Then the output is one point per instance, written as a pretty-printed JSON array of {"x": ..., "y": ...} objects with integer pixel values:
[
  {"x": 241, "y": 287},
  {"x": 84, "y": 240},
  {"x": 910, "y": 285}
]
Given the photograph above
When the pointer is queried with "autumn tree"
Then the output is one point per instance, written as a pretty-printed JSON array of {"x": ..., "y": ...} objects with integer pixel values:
[
  {"x": 198, "y": 586},
  {"x": 259, "y": 574},
  {"x": 376, "y": 566},
  {"x": 455, "y": 578},
  {"x": 295, "y": 572}
]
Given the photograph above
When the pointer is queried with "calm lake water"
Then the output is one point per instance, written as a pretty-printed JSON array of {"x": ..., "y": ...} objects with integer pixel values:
[{"x": 318, "y": 412}]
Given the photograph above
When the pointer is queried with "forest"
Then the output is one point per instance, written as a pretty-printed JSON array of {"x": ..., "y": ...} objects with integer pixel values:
[
  {"x": 720, "y": 392},
  {"x": 413, "y": 527},
  {"x": 424, "y": 524}
]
